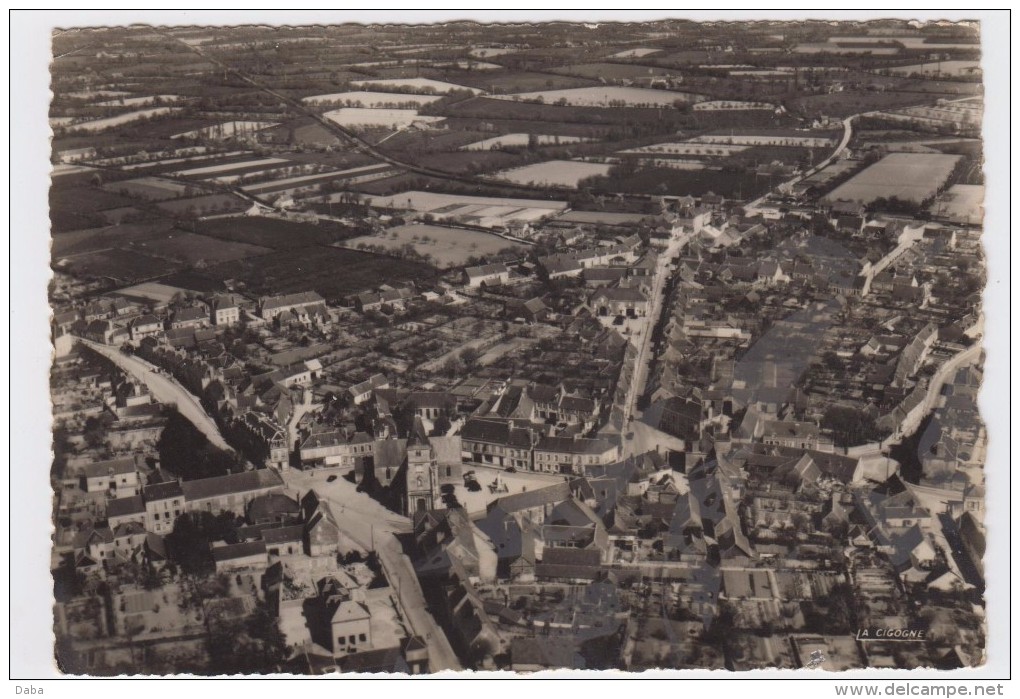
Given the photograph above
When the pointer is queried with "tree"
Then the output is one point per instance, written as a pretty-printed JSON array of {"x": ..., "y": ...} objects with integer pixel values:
[
  {"x": 469, "y": 355},
  {"x": 187, "y": 453}
]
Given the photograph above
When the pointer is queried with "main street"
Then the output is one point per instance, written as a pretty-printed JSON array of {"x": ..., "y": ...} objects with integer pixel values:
[{"x": 164, "y": 389}]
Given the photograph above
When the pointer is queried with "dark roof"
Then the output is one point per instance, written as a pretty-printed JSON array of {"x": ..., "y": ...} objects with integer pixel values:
[
  {"x": 246, "y": 481},
  {"x": 271, "y": 505},
  {"x": 112, "y": 467},
  {"x": 232, "y": 552},
  {"x": 573, "y": 572},
  {"x": 190, "y": 313},
  {"x": 495, "y": 432},
  {"x": 281, "y": 535},
  {"x": 566, "y": 556},
  {"x": 300, "y": 299},
  {"x": 569, "y": 445},
  {"x": 162, "y": 491},
  {"x": 533, "y": 498},
  {"x": 123, "y": 507}
]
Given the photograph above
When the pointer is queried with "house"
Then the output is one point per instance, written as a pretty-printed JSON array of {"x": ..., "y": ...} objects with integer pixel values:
[
  {"x": 164, "y": 503},
  {"x": 230, "y": 493},
  {"x": 224, "y": 310},
  {"x": 249, "y": 554},
  {"x": 272, "y": 306},
  {"x": 375, "y": 301},
  {"x": 796, "y": 435},
  {"x": 127, "y": 509},
  {"x": 350, "y": 627},
  {"x": 146, "y": 326},
  {"x": 191, "y": 317},
  {"x": 321, "y": 530},
  {"x": 620, "y": 301},
  {"x": 486, "y": 275},
  {"x": 361, "y": 392},
  {"x": 118, "y": 477},
  {"x": 534, "y": 310},
  {"x": 496, "y": 443},
  {"x": 571, "y": 455}
]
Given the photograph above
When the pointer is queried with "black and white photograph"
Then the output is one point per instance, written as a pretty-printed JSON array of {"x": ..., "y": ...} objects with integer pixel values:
[{"x": 497, "y": 348}]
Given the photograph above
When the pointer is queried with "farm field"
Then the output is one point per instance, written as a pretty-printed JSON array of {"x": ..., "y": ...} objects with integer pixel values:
[
  {"x": 274, "y": 233},
  {"x": 93, "y": 239},
  {"x": 204, "y": 206},
  {"x": 227, "y": 167},
  {"x": 907, "y": 176},
  {"x": 422, "y": 84},
  {"x": 617, "y": 71},
  {"x": 636, "y": 53},
  {"x": 766, "y": 140},
  {"x": 118, "y": 264},
  {"x": 726, "y": 105},
  {"x": 184, "y": 159},
  {"x": 74, "y": 208},
  {"x": 386, "y": 118},
  {"x": 481, "y": 211},
  {"x": 954, "y": 68},
  {"x": 97, "y": 94},
  {"x": 331, "y": 271},
  {"x": 372, "y": 100},
  {"x": 486, "y": 52},
  {"x": 138, "y": 101},
  {"x": 230, "y": 129},
  {"x": 961, "y": 203},
  {"x": 96, "y": 125},
  {"x": 692, "y": 148},
  {"x": 148, "y": 188},
  {"x": 555, "y": 173},
  {"x": 447, "y": 247},
  {"x": 190, "y": 248},
  {"x": 520, "y": 140},
  {"x": 607, "y": 97}
]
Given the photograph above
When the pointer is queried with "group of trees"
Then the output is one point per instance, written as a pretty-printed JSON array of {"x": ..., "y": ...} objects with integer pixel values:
[{"x": 186, "y": 452}]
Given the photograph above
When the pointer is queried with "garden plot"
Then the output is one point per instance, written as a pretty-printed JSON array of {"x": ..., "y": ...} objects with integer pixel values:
[
  {"x": 357, "y": 117},
  {"x": 906, "y": 176},
  {"x": 520, "y": 140},
  {"x": 766, "y": 140},
  {"x": 226, "y": 167},
  {"x": 446, "y": 247},
  {"x": 110, "y": 122},
  {"x": 666, "y": 149},
  {"x": 607, "y": 97},
  {"x": 98, "y": 94},
  {"x": 230, "y": 129},
  {"x": 142, "y": 101},
  {"x": 424, "y": 84},
  {"x": 555, "y": 173},
  {"x": 372, "y": 100},
  {"x": 720, "y": 105},
  {"x": 379, "y": 169}
]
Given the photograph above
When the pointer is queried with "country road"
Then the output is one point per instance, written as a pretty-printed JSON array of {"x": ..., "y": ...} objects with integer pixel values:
[{"x": 164, "y": 389}]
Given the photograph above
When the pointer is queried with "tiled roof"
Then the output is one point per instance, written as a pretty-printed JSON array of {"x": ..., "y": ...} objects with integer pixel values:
[
  {"x": 113, "y": 467},
  {"x": 300, "y": 299},
  {"x": 124, "y": 507},
  {"x": 246, "y": 481},
  {"x": 162, "y": 491},
  {"x": 232, "y": 552}
]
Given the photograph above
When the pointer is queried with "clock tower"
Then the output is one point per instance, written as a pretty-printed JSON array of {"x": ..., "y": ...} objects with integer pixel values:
[{"x": 422, "y": 475}]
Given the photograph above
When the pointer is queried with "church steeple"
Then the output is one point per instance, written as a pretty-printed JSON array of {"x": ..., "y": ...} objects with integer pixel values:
[{"x": 422, "y": 471}]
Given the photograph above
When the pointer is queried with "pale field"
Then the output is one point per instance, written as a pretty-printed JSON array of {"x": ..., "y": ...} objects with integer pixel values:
[
  {"x": 226, "y": 167},
  {"x": 635, "y": 53},
  {"x": 519, "y": 140},
  {"x": 372, "y": 100},
  {"x": 97, "y": 94},
  {"x": 175, "y": 161},
  {"x": 120, "y": 119},
  {"x": 717, "y": 105},
  {"x": 416, "y": 84},
  {"x": 449, "y": 247},
  {"x": 953, "y": 68},
  {"x": 766, "y": 140},
  {"x": 562, "y": 173},
  {"x": 227, "y": 130},
  {"x": 137, "y": 101},
  {"x": 962, "y": 202},
  {"x": 607, "y": 96},
  {"x": 387, "y": 118},
  {"x": 908, "y": 176}
]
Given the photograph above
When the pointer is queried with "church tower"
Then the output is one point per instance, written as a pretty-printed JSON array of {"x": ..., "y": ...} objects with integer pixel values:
[{"x": 422, "y": 476}]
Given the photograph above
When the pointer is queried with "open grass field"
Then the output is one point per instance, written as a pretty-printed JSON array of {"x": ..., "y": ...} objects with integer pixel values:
[
  {"x": 372, "y": 100},
  {"x": 556, "y": 173},
  {"x": 961, "y": 203},
  {"x": 616, "y": 71},
  {"x": 732, "y": 185},
  {"x": 212, "y": 170},
  {"x": 448, "y": 247},
  {"x": 520, "y": 140},
  {"x": 189, "y": 248},
  {"x": 907, "y": 176},
  {"x": 110, "y": 122},
  {"x": 842, "y": 104},
  {"x": 121, "y": 265},
  {"x": 74, "y": 208},
  {"x": 422, "y": 85},
  {"x": 333, "y": 272},
  {"x": 274, "y": 233},
  {"x": 357, "y": 117},
  {"x": 93, "y": 239}
]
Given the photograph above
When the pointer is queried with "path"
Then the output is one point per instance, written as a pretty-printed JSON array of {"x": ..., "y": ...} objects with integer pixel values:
[{"x": 164, "y": 389}]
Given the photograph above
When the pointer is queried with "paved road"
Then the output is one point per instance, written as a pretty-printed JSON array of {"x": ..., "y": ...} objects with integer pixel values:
[
  {"x": 372, "y": 527},
  {"x": 164, "y": 389}
]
